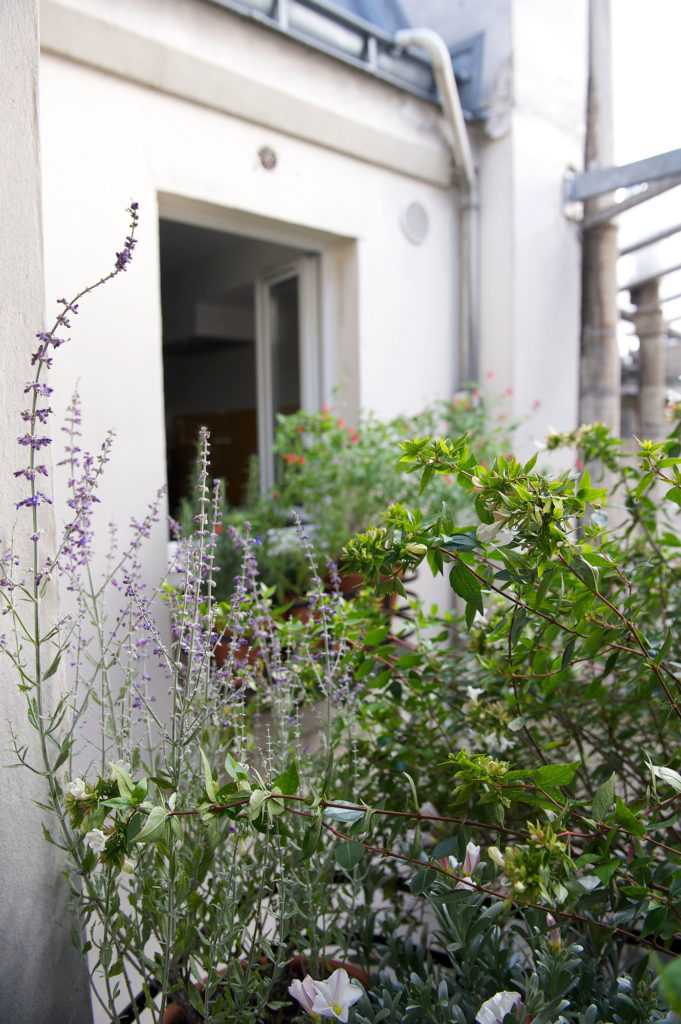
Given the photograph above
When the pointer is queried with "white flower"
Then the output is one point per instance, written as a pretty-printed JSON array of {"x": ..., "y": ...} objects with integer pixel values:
[
  {"x": 336, "y": 995},
  {"x": 473, "y": 692},
  {"x": 304, "y": 991},
  {"x": 496, "y": 856},
  {"x": 121, "y": 765},
  {"x": 95, "y": 839},
  {"x": 472, "y": 858},
  {"x": 495, "y": 1009},
  {"x": 76, "y": 789},
  {"x": 667, "y": 775}
]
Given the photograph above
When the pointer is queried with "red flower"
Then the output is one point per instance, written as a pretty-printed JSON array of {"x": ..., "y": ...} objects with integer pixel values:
[
  {"x": 218, "y": 528},
  {"x": 353, "y": 435},
  {"x": 341, "y": 422}
]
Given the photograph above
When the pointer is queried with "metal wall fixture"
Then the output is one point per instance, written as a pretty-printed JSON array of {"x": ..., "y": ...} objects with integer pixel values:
[{"x": 415, "y": 223}]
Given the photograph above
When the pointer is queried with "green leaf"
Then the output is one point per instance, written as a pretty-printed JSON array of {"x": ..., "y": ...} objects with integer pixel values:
[
  {"x": 461, "y": 541},
  {"x": 348, "y": 855},
  {"x": 347, "y": 815},
  {"x": 627, "y": 819},
  {"x": 464, "y": 583},
  {"x": 604, "y": 797},
  {"x": 210, "y": 786},
  {"x": 518, "y": 620},
  {"x": 568, "y": 652},
  {"x": 63, "y": 754},
  {"x": 670, "y": 985},
  {"x": 422, "y": 881},
  {"x": 154, "y": 827},
  {"x": 409, "y": 660},
  {"x": 311, "y": 839},
  {"x": 674, "y": 494},
  {"x": 375, "y": 637},
  {"x": 288, "y": 781},
  {"x": 444, "y": 848},
  {"x": 124, "y": 780},
  {"x": 555, "y": 774},
  {"x": 53, "y": 667}
]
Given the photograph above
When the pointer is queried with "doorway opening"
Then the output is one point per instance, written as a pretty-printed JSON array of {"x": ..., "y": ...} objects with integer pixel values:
[{"x": 241, "y": 344}]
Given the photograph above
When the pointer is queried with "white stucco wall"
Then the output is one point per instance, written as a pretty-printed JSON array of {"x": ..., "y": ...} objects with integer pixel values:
[
  {"x": 41, "y": 977},
  {"x": 533, "y": 92},
  {"x": 389, "y": 316}
]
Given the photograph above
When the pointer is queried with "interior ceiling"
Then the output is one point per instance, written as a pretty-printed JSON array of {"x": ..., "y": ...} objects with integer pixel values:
[{"x": 183, "y": 243}]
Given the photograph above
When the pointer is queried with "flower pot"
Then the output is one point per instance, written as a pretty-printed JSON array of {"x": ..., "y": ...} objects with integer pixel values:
[{"x": 245, "y": 651}]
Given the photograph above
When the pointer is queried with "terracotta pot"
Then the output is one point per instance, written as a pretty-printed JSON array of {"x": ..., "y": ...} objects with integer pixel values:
[
  {"x": 245, "y": 651},
  {"x": 298, "y": 608},
  {"x": 297, "y": 967}
]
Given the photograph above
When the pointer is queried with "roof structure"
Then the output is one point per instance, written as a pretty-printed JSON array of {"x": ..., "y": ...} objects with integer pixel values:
[{"x": 387, "y": 14}]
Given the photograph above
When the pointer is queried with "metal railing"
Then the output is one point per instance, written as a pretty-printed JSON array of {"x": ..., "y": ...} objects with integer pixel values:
[{"x": 349, "y": 38}]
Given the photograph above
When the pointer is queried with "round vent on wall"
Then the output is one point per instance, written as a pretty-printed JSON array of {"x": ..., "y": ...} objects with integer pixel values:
[{"x": 414, "y": 222}]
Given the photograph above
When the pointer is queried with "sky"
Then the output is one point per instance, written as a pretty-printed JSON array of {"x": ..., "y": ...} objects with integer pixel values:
[
  {"x": 646, "y": 94},
  {"x": 647, "y": 120}
]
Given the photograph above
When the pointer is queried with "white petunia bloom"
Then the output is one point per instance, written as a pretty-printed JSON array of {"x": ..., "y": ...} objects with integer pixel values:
[
  {"x": 473, "y": 692},
  {"x": 304, "y": 992},
  {"x": 95, "y": 839},
  {"x": 472, "y": 858},
  {"x": 494, "y": 1010},
  {"x": 76, "y": 789},
  {"x": 336, "y": 995}
]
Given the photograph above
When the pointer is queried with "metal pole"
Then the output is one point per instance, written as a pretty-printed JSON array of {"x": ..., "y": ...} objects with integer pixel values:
[
  {"x": 651, "y": 331},
  {"x": 600, "y": 361}
]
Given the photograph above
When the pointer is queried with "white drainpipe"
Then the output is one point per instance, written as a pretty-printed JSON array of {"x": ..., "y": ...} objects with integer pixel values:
[{"x": 436, "y": 48}]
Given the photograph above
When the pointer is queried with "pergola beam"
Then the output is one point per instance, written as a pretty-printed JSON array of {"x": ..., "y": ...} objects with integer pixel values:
[
  {"x": 659, "y": 236},
  {"x": 639, "y": 282},
  {"x": 608, "y": 212},
  {"x": 601, "y": 180}
]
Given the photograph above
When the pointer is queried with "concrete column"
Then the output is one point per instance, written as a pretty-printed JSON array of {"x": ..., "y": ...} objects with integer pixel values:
[
  {"x": 41, "y": 977},
  {"x": 650, "y": 328},
  {"x": 600, "y": 372}
]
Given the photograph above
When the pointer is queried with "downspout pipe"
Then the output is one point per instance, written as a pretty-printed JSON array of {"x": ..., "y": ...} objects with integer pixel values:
[{"x": 468, "y": 205}]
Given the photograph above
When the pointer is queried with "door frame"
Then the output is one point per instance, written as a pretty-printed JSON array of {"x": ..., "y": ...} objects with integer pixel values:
[{"x": 306, "y": 271}]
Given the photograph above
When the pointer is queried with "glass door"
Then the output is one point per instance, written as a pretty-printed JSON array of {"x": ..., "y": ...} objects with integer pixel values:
[{"x": 288, "y": 363}]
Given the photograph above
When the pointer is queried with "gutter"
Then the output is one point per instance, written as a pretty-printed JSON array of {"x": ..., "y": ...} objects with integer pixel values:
[{"x": 468, "y": 207}]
